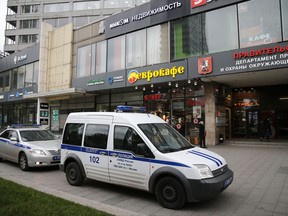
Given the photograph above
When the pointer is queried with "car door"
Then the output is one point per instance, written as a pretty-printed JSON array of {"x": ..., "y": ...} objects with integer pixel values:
[
  {"x": 4, "y": 142},
  {"x": 95, "y": 154},
  {"x": 11, "y": 146},
  {"x": 127, "y": 165}
]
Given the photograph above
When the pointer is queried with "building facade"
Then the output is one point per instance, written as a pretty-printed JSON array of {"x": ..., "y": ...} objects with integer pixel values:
[
  {"x": 24, "y": 17},
  {"x": 174, "y": 58}
]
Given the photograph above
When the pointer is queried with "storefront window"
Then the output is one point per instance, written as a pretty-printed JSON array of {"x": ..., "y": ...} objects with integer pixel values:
[
  {"x": 136, "y": 49},
  {"x": 284, "y": 4},
  {"x": 101, "y": 57},
  {"x": 157, "y": 44},
  {"x": 223, "y": 37},
  {"x": 29, "y": 75},
  {"x": 116, "y": 54},
  {"x": 21, "y": 77},
  {"x": 84, "y": 61},
  {"x": 186, "y": 37},
  {"x": 36, "y": 72},
  {"x": 14, "y": 78},
  {"x": 259, "y": 22}
]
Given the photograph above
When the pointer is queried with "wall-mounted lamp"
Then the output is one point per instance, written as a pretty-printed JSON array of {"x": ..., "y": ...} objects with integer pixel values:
[
  {"x": 136, "y": 87},
  {"x": 144, "y": 88},
  {"x": 152, "y": 85},
  {"x": 169, "y": 83},
  {"x": 176, "y": 85}
]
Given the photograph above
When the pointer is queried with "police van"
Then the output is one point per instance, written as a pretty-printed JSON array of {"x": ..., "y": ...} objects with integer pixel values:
[{"x": 142, "y": 151}]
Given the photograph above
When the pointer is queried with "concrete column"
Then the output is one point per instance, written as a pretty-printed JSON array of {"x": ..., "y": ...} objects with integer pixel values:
[{"x": 210, "y": 113}]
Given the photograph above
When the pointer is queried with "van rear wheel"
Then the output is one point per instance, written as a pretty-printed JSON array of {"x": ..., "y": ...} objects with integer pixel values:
[
  {"x": 73, "y": 174},
  {"x": 170, "y": 193}
]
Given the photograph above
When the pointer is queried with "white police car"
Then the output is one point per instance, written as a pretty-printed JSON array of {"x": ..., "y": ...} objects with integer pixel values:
[
  {"x": 30, "y": 146},
  {"x": 140, "y": 151}
]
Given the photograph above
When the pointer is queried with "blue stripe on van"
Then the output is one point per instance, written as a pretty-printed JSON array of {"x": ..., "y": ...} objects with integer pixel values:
[
  {"x": 120, "y": 155},
  {"x": 209, "y": 157}
]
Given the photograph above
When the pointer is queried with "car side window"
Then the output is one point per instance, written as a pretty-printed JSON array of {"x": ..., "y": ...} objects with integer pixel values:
[
  {"x": 126, "y": 138},
  {"x": 13, "y": 134},
  {"x": 73, "y": 134},
  {"x": 96, "y": 136},
  {"x": 6, "y": 134}
]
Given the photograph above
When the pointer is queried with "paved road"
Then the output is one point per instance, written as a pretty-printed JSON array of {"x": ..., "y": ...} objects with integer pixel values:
[{"x": 260, "y": 187}]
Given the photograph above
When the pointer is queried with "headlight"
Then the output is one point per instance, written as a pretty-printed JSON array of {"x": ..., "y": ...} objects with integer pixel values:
[
  {"x": 37, "y": 151},
  {"x": 204, "y": 171}
]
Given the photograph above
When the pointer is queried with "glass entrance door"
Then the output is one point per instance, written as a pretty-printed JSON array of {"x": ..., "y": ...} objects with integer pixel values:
[{"x": 252, "y": 123}]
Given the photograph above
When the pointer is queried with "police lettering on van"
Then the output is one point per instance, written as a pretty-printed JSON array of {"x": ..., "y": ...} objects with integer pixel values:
[{"x": 142, "y": 151}]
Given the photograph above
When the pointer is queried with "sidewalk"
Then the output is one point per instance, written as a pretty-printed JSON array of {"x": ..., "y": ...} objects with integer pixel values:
[{"x": 260, "y": 186}]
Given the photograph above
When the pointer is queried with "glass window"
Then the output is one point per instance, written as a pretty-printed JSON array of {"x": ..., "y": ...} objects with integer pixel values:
[
  {"x": 1, "y": 83},
  {"x": 157, "y": 44},
  {"x": 14, "y": 78},
  {"x": 57, "y": 22},
  {"x": 73, "y": 134},
  {"x": 101, "y": 57},
  {"x": 36, "y": 72},
  {"x": 284, "y": 4},
  {"x": 27, "y": 39},
  {"x": 117, "y": 3},
  {"x": 83, "y": 20},
  {"x": 116, "y": 54},
  {"x": 259, "y": 22},
  {"x": 126, "y": 138},
  {"x": 186, "y": 37},
  {"x": 21, "y": 77},
  {"x": 86, "y": 5},
  {"x": 29, "y": 9},
  {"x": 136, "y": 49},
  {"x": 217, "y": 38},
  {"x": 84, "y": 61},
  {"x": 96, "y": 136},
  {"x": 56, "y": 7},
  {"x": 7, "y": 81},
  {"x": 29, "y": 24},
  {"x": 29, "y": 75}
]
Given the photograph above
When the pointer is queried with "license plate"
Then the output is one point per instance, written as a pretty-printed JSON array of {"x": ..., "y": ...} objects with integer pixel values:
[
  {"x": 227, "y": 182},
  {"x": 56, "y": 158}
]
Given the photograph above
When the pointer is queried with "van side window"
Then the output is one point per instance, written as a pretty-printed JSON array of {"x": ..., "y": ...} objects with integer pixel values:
[
  {"x": 96, "y": 136},
  {"x": 73, "y": 134},
  {"x": 126, "y": 138}
]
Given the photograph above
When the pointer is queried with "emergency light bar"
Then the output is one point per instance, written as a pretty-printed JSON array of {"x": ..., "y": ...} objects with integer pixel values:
[
  {"x": 25, "y": 125},
  {"x": 123, "y": 108}
]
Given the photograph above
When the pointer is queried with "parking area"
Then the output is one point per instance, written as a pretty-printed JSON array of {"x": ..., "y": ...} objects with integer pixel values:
[{"x": 260, "y": 187}]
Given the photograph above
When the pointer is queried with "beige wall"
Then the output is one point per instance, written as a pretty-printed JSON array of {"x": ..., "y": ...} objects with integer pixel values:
[{"x": 60, "y": 58}]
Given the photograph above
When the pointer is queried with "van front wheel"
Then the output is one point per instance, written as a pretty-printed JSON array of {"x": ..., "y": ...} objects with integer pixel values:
[
  {"x": 73, "y": 174},
  {"x": 170, "y": 193}
]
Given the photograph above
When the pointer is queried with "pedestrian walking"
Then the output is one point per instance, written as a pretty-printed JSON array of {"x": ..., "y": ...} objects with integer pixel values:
[
  {"x": 202, "y": 134},
  {"x": 266, "y": 130}
]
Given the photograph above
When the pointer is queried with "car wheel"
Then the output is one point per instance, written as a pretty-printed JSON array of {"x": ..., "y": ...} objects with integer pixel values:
[
  {"x": 170, "y": 193},
  {"x": 23, "y": 162},
  {"x": 73, "y": 174}
]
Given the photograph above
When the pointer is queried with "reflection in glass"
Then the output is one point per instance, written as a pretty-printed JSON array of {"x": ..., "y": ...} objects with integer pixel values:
[{"x": 259, "y": 22}]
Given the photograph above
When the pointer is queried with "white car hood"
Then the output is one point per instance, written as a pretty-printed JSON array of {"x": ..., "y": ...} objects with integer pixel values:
[
  {"x": 199, "y": 156},
  {"x": 47, "y": 145}
]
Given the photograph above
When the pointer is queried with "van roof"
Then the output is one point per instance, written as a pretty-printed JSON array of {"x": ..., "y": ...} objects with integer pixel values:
[{"x": 132, "y": 118}]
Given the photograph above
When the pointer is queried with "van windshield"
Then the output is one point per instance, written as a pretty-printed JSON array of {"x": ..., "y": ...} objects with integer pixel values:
[{"x": 164, "y": 137}]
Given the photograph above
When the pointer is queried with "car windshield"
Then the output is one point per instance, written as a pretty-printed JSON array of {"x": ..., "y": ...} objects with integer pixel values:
[
  {"x": 165, "y": 138},
  {"x": 36, "y": 135}
]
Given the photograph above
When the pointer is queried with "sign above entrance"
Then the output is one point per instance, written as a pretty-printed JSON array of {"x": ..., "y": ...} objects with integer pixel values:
[
  {"x": 146, "y": 15},
  {"x": 156, "y": 74}
]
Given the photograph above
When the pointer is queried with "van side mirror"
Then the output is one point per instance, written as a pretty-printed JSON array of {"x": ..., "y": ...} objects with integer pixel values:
[{"x": 143, "y": 150}]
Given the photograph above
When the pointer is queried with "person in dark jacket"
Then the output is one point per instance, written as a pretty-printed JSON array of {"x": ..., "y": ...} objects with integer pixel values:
[
  {"x": 266, "y": 133},
  {"x": 202, "y": 134}
]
